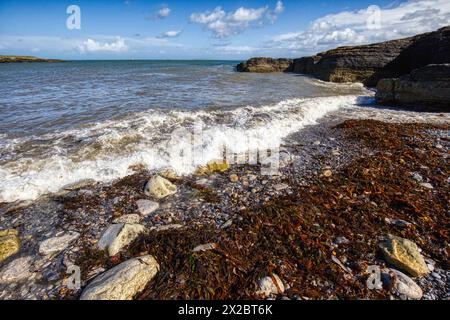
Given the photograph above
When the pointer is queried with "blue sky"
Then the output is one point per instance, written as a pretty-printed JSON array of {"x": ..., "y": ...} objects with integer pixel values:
[{"x": 144, "y": 29}]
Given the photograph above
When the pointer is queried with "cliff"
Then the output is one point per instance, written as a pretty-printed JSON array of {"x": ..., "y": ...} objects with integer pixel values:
[
  {"x": 367, "y": 63},
  {"x": 426, "y": 88}
]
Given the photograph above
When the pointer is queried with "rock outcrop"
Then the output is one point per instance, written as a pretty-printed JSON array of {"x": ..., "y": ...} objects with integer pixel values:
[
  {"x": 366, "y": 63},
  {"x": 122, "y": 282},
  {"x": 426, "y": 88},
  {"x": 352, "y": 64},
  {"x": 265, "y": 65}
]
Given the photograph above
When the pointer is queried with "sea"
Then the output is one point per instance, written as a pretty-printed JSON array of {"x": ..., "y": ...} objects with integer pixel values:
[{"x": 61, "y": 123}]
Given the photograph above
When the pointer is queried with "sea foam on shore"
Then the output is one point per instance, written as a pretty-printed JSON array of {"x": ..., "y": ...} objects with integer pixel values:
[{"x": 105, "y": 151}]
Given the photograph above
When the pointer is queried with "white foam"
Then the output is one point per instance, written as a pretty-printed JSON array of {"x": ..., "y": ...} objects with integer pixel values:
[{"x": 145, "y": 138}]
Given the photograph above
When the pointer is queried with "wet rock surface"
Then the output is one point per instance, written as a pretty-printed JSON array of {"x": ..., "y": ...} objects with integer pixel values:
[{"x": 264, "y": 65}]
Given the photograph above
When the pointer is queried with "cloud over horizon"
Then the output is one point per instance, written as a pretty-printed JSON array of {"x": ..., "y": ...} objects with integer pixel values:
[
  {"x": 164, "y": 12},
  {"x": 225, "y": 24},
  {"x": 365, "y": 26}
]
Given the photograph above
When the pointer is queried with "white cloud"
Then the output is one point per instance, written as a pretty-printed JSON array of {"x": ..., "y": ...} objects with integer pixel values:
[
  {"x": 243, "y": 14},
  {"x": 367, "y": 26},
  {"x": 95, "y": 46},
  {"x": 279, "y": 7},
  {"x": 237, "y": 49},
  {"x": 164, "y": 12},
  {"x": 170, "y": 34},
  {"x": 225, "y": 24}
]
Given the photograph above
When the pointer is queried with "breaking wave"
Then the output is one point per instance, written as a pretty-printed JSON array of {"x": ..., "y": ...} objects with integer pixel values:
[{"x": 37, "y": 165}]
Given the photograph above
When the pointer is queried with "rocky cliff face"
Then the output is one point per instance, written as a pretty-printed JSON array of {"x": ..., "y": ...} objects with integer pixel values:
[
  {"x": 352, "y": 64},
  {"x": 426, "y": 88},
  {"x": 367, "y": 63},
  {"x": 265, "y": 65}
]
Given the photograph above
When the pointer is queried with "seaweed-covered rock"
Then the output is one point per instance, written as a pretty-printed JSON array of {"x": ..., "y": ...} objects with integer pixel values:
[
  {"x": 9, "y": 243},
  {"x": 159, "y": 187},
  {"x": 265, "y": 65},
  {"x": 123, "y": 282},
  {"x": 405, "y": 255}
]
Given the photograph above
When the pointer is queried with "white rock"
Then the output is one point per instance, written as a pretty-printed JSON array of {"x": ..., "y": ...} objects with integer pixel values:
[
  {"x": 159, "y": 188},
  {"x": 122, "y": 282},
  {"x": 205, "y": 247},
  {"x": 57, "y": 244},
  {"x": 16, "y": 270},
  {"x": 128, "y": 218},
  {"x": 118, "y": 236},
  {"x": 147, "y": 207},
  {"x": 167, "y": 227},
  {"x": 405, "y": 286},
  {"x": 281, "y": 186},
  {"x": 271, "y": 285},
  {"x": 427, "y": 185}
]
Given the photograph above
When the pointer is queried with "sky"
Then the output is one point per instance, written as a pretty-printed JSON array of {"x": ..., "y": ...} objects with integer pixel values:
[{"x": 215, "y": 29}]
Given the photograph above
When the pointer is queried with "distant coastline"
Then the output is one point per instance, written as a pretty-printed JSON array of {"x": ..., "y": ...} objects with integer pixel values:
[{"x": 13, "y": 59}]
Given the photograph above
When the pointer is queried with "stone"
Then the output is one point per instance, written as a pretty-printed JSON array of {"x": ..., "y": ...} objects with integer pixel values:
[
  {"x": 227, "y": 224},
  {"x": 234, "y": 178},
  {"x": 402, "y": 285},
  {"x": 327, "y": 173},
  {"x": 9, "y": 243},
  {"x": 341, "y": 240},
  {"x": 427, "y": 185},
  {"x": 117, "y": 236},
  {"x": 169, "y": 173},
  {"x": 270, "y": 285},
  {"x": 265, "y": 65},
  {"x": 57, "y": 244},
  {"x": 167, "y": 227},
  {"x": 159, "y": 187},
  {"x": 146, "y": 207},
  {"x": 416, "y": 176},
  {"x": 405, "y": 255},
  {"x": 16, "y": 270},
  {"x": 205, "y": 247},
  {"x": 213, "y": 166},
  {"x": 281, "y": 186},
  {"x": 128, "y": 218},
  {"x": 398, "y": 222},
  {"x": 124, "y": 281}
]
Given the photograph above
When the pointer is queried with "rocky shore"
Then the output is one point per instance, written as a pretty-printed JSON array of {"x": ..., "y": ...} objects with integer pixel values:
[
  {"x": 371, "y": 63},
  {"x": 351, "y": 196}
]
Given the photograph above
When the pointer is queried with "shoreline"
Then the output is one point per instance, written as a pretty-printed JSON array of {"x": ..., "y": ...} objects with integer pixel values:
[{"x": 248, "y": 208}]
